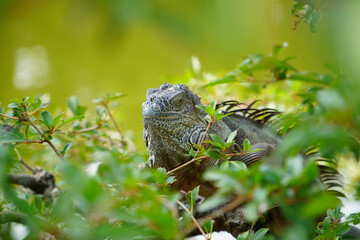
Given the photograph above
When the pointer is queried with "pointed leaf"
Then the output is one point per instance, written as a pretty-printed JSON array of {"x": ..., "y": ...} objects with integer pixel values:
[
  {"x": 57, "y": 119},
  {"x": 260, "y": 234},
  {"x": 46, "y": 116},
  {"x": 231, "y": 137},
  {"x": 191, "y": 197},
  {"x": 66, "y": 148},
  {"x": 246, "y": 145}
]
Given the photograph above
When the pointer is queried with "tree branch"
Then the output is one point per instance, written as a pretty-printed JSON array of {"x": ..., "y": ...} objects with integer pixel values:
[
  {"x": 194, "y": 220},
  {"x": 185, "y": 164},
  {"x": 42, "y": 182}
]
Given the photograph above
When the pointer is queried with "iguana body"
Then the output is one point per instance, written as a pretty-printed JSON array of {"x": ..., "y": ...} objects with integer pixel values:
[{"x": 173, "y": 124}]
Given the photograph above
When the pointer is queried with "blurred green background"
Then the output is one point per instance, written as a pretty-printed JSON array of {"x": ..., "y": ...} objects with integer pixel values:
[{"x": 90, "y": 48}]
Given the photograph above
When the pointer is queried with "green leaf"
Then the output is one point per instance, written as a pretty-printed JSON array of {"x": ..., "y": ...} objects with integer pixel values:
[
  {"x": 202, "y": 107},
  {"x": 208, "y": 226},
  {"x": 217, "y": 139},
  {"x": 214, "y": 154},
  {"x": 331, "y": 214},
  {"x": 66, "y": 148},
  {"x": 231, "y": 137},
  {"x": 74, "y": 105},
  {"x": 244, "y": 236},
  {"x": 191, "y": 197},
  {"x": 228, "y": 79},
  {"x": 311, "y": 77},
  {"x": 27, "y": 130},
  {"x": 46, "y": 116},
  {"x": 14, "y": 105},
  {"x": 9, "y": 134},
  {"x": 57, "y": 119},
  {"x": 260, "y": 234},
  {"x": 71, "y": 120},
  {"x": 246, "y": 145},
  {"x": 100, "y": 110}
]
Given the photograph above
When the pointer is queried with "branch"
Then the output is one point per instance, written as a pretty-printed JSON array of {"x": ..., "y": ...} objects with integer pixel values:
[
  {"x": 114, "y": 121},
  {"x": 42, "y": 182},
  {"x": 185, "y": 164},
  {"x": 220, "y": 212},
  {"x": 22, "y": 162},
  {"x": 40, "y": 132},
  {"x": 15, "y": 118},
  {"x": 46, "y": 140},
  {"x": 194, "y": 220},
  {"x": 87, "y": 129}
]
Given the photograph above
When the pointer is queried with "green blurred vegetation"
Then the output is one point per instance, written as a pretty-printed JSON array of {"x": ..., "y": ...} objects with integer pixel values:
[{"x": 90, "y": 48}]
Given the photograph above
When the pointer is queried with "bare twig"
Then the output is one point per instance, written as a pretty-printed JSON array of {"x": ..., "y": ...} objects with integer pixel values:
[
  {"x": 217, "y": 213},
  {"x": 114, "y": 121},
  {"x": 87, "y": 129},
  {"x": 22, "y": 161},
  {"x": 15, "y": 118},
  {"x": 193, "y": 218},
  {"x": 47, "y": 140},
  {"x": 185, "y": 164}
]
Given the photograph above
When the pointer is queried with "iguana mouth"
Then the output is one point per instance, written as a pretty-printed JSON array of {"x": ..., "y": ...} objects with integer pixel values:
[{"x": 150, "y": 113}]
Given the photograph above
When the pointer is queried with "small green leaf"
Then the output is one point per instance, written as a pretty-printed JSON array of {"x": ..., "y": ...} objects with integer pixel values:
[
  {"x": 228, "y": 79},
  {"x": 14, "y": 105},
  {"x": 246, "y": 145},
  {"x": 57, "y": 119},
  {"x": 260, "y": 234},
  {"x": 217, "y": 139},
  {"x": 208, "y": 226},
  {"x": 100, "y": 110},
  {"x": 66, "y": 148},
  {"x": 170, "y": 180},
  {"x": 47, "y": 119},
  {"x": 214, "y": 154},
  {"x": 191, "y": 197},
  {"x": 331, "y": 214},
  {"x": 74, "y": 105},
  {"x": 27, "y": 130},
  {"x": 202, "y": 107},
  {"x": 231, "y": 137}
]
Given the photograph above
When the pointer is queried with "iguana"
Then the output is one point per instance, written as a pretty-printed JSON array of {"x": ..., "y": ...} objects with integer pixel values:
[{"x": 173, "y": 124}]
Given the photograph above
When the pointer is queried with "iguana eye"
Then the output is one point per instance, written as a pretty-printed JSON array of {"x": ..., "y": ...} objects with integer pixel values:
[{"x": 177, "y": 100}]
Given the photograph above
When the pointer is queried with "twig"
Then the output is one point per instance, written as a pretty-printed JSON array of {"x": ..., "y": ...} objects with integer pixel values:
[
  {"x": 194, "y": 220},
  {"x": 22, "y": 161},
  {"x": 203, "y": 137},
  {"x": 87, "y": 129},
  {"x": 15, "y": 118},
  {"x": 195, "y": 159},
  {"x": 47, "y": 140},
  {"x": 114, "y": 121},
  {"x": 217, "y": 213},
  {"x": 40, "y": 132},
  {"x": 185, "y": 164}
]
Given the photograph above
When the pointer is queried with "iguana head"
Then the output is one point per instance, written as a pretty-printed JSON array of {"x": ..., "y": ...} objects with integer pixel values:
[{"x": 172, "y": 123}]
